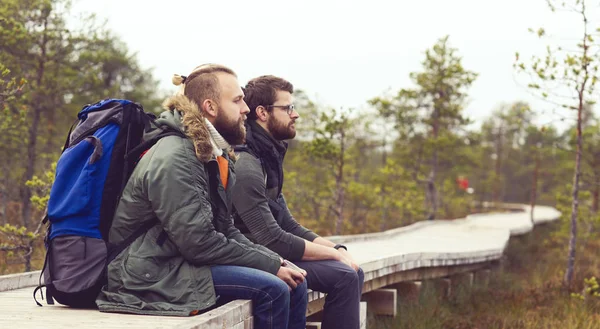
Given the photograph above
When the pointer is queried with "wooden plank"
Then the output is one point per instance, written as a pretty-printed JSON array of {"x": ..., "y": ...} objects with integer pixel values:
[
  {"x": 19, "y": 308},
  {"x": 249, "y": 323},
  {"x": 246, "y": 324},
  {"x": 20, "y": 280},
  {"x": 314, "y": 295},
  {"x": 418, "y": 274},
  {"x": 315, "y": 306},
  {"x": 226, "y": 316}
]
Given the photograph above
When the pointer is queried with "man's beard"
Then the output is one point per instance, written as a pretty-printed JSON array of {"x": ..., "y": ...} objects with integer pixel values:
[
  {"x": 234, "y": 132},
  {"x": 281, "y": 131}
]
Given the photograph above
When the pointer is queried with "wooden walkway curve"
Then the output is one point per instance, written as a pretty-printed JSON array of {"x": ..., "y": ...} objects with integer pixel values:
[{"x": 424, "y": 250}]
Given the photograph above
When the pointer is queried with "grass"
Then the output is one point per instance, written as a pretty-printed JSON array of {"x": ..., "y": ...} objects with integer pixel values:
[{"x": 527, "y": 293}]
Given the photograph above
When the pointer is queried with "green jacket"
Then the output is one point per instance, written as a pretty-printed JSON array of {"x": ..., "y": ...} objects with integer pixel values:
[{"x": 194, "y": 211}]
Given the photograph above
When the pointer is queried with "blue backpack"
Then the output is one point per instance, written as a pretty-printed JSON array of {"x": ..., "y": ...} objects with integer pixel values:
[{"x": 99, "y": 155}]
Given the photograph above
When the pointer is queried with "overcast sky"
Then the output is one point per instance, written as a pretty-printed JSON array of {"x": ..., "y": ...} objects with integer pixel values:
[{"x": 341, "y": 52}]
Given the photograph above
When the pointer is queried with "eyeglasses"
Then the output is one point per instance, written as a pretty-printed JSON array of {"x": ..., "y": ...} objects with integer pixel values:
[{"x": 288, "y": 108}]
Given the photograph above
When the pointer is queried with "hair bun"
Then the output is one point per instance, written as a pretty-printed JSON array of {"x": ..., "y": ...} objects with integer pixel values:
[{"x": 178, "y": 79}]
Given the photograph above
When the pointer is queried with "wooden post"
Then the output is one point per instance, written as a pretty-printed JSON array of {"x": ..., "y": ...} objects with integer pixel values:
[
  {"x": 498, "y": 264},
  {"x": 363, "y": 315},
  {"x": 462, "y": 281},
  {"x": 382, "y": 301},
  {"x": 408, "y": 291},
  {"x": 442, "y": 287},
  {"x": 482, "y": 278}
]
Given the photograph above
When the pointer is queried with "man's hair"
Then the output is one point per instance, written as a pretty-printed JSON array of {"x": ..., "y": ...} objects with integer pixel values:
[
  {"x": 203, "y": 84},
  {"x": 263, "y": 91}
]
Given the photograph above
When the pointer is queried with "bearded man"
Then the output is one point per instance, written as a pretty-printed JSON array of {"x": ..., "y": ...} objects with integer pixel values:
[{"x": 261, "y": 212}]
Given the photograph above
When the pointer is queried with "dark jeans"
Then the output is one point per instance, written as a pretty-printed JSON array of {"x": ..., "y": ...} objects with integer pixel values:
[
  {"x": 343, "y": 286},
  {"x": 274, "y": 305}
]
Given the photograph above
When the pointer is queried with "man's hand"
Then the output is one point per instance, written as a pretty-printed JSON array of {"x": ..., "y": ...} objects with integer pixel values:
[
  {"x": 294, "y": 267},
  {"x": 290, "y": 277},
  {"x": 348, "y": 259}
]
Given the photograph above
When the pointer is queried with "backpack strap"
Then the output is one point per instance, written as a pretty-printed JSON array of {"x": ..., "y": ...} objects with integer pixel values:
[
  {"x": 49, "y": 298},
  {"x": 116, "y": 249},
  {"x": 140, "y": 149},
  {"x": 137, "y": 151},
  {"x": 69, "y": 135}
]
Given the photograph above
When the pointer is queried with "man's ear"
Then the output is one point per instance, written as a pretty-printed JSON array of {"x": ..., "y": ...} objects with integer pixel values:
[
  {"x": 209, "y": 107},
  {"x": 261, "y": 113}
]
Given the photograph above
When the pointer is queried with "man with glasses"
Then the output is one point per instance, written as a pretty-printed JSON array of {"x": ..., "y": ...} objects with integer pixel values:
[{"x": 261, "y": 212}]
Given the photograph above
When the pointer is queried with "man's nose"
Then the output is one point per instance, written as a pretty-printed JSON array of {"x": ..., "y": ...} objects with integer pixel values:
[
  {"x": 295, "y": 115},
  {"x": 245, "y": 109}
]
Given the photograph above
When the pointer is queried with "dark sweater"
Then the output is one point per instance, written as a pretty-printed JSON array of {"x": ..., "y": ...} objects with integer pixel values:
[{"x": 261, "y": 213}]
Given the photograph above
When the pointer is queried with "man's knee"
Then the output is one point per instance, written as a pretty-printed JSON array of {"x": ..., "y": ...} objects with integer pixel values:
[
  {"x": 347, "y": 276},
  {"x": 361, "y": 279},
  {"x": 299, "y": 296},
  {"x": 278, "y": 291},
  {"x": 361, "y": 275}
]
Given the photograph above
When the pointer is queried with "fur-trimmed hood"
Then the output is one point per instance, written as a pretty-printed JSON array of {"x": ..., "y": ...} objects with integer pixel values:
[{"x": 184, "y": 114}]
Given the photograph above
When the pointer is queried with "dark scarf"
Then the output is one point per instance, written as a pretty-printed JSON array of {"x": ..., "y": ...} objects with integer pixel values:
[{"x": 270, "y": 151}]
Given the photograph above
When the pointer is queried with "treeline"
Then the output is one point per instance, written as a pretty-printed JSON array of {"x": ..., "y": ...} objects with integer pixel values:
[
  {"x": 48, "y": 71},
  {"x": 407, "y": 158},
  {"x": 403, "y": 160}
]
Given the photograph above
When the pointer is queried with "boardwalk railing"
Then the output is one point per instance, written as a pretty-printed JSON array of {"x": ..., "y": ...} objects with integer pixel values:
[{"x": 394, "y": 263}]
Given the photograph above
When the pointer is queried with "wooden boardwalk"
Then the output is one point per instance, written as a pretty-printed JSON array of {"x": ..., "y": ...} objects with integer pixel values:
[{"x": 424, "y": 250}]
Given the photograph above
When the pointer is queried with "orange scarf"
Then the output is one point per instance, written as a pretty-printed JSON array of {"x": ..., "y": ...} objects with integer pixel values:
[{"x": 223, "y": 170}]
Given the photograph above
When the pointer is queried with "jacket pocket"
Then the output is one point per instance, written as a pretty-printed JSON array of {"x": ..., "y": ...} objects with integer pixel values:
[{"x": 146, "y": 269}]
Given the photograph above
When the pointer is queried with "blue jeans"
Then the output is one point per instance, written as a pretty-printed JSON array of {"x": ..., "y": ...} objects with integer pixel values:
[{"x": 274, "y": 305}]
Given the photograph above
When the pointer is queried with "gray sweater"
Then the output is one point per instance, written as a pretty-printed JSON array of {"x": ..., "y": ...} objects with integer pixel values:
[{"x": 262, "y": 215}]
